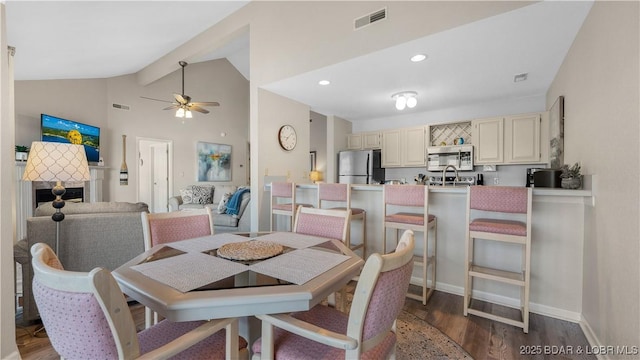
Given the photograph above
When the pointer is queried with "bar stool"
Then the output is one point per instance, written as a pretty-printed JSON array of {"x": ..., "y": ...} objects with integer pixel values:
[
  {"x": 414, "y": 198},
  {"x": 284, "y": 191},
  {"x": 341, "y": 193},
  {"x": 494, "y": 200}
]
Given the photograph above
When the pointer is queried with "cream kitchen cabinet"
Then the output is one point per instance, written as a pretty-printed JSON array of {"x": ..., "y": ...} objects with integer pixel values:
[
  {"x": 488, "y": 140},
  {"x": 364, "y": 141},
  {"x": 509, "y": 140},
  {"x": 354, "y": 141},
  {"x": 522, "y": 139},
  {"x": 404, "y": 147}
]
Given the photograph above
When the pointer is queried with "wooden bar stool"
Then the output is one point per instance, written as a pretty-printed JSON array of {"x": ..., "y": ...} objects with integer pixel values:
[
  {"x": 283, "y": 198},
  {"x": 341, "y": 193},
  {"x": 412, "y": 205},
  {"x": 497, "y": 201}
]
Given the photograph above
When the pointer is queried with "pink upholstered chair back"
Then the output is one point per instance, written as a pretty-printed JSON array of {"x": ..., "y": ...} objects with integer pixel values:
[
  {"x": 72, "y": 314},
  {"x": 75, "y": 323},
  {"x": 281, "y": 189},
  {"x": 332, "y": 192},
  {"x": 507, "y": 199},
  {"x": 381, "y": 291},
  {"x": 322, "y": 222},
  {"x": 163, "y": 228},
  {"x": 404, "y": 195}
]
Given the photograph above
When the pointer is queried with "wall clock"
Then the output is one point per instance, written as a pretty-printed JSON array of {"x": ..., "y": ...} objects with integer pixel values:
[{"x": 287, "y": 137}]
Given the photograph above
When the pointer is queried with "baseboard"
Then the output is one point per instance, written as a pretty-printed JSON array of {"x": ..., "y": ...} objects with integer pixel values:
[
  {"x": 540, "y": 309},
  {"x": 592, "y": 338}
]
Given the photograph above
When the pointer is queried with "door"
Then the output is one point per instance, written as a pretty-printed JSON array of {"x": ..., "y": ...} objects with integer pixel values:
[
  {"x": 154, "y": 169},
  {"x": 160, "y": 176}
]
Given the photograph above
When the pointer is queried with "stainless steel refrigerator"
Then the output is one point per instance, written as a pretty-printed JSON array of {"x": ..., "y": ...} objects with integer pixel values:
[{"x": 360, "y": 167}]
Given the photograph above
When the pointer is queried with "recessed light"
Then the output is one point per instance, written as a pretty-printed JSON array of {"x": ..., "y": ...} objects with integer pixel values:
[
  {"x": 418, "y": 57},
  {"x": 324, "y": 82}
]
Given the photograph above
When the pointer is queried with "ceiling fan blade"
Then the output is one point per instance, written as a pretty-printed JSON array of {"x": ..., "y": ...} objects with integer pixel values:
[
  {"x": 206, "y": 103},
  {"x": 175, "y": 106},
  {"x": 197, "y": 108},
  {"x": 148, "y": 98},
  {"x": 182, "y": 99}
]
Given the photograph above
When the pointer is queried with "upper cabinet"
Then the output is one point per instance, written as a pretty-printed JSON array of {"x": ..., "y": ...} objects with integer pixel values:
[
  {"x": 522, "y": 139},
  {"x": 515, "y": 139},
  {"x": 404, "y": 147},
  {"x": 364, "y": 141},
  {"x": 488, "y": 140}
]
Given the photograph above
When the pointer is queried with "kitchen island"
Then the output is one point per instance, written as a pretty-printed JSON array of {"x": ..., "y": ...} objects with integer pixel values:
[{"x": 557, "y": 245}]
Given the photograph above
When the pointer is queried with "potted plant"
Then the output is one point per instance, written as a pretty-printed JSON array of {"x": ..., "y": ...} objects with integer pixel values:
[
  {"x": 571, "y": 177},
  {"x": 22, "y": 152}
]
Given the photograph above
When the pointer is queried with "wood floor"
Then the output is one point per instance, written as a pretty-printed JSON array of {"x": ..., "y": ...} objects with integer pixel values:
[{"x": 481, "y": 338}]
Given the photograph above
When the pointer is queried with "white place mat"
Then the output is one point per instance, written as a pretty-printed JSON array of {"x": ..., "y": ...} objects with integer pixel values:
[
  {"x": 293, "y": 240},
  {"x": 190, "y": 271},
  {"x": 209, "y": 242},
  {"x": 299, "y": 266}
]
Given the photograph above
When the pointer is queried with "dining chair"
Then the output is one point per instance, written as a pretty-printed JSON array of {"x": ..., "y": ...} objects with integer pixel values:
[
  {"x": 283, "y": 201},
  {"x": 406, "y": 207},
  {"x": 161, "y": 228},
  {"x": 328, "y": 223},
  {"x": 367, "y": 332},
  {"x": 501, "y": 214},
  {"x": 87, "y": 317},
  {"x": 340, "y": 194}
]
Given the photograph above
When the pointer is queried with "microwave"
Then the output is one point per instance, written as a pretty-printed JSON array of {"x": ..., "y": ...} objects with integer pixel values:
[{"x": 460, "y": 156}]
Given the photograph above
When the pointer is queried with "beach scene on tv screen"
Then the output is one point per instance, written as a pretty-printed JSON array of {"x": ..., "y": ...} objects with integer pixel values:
[{"x": 67, "y": 131}]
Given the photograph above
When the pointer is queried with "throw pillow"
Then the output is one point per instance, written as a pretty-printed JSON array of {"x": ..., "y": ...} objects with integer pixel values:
[
  {"x": 187, "y": 196},
  {"x": 222, "y": 206},
  {"x": 202, "y": 194}
]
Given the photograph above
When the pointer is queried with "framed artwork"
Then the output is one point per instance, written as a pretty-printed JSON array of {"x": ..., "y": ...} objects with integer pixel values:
[
  {"x": 214, "y": 161},
  {"x": 556, "y": 134},
  {"x": 312, "y": 157}
]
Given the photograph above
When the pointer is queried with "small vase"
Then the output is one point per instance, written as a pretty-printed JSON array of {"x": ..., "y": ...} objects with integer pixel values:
[{"x": 571, "y": 183}]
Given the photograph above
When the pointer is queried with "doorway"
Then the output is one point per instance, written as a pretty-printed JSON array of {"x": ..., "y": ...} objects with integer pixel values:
[{"x": 154, "y": 173}]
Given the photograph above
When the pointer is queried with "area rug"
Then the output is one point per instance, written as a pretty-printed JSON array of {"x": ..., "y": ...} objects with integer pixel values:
[{"x": 419, "y": 340}]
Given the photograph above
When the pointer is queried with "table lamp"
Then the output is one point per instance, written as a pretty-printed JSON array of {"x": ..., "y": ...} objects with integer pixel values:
[
  {"x": 52, "y": 161},
  {"x": 315, "y": 176}
]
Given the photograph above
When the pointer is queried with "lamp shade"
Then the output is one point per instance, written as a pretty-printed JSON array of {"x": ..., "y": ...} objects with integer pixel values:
[
  {"x": 51, "y": 161},
  {"x": 315, "y": 175}
]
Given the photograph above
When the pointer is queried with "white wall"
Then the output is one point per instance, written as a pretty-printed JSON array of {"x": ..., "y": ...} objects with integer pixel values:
[
  {"x": 599, "y": 79},
  {"x": 318, "y": 141}
]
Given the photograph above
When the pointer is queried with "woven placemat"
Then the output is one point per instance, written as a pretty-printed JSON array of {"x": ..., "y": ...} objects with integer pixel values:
[{"x": 250, "y": 250}]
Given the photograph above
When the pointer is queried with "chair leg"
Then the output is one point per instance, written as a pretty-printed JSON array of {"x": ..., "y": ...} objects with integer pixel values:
[
  {"x": 425, "y": 264},
  {"x": 467, "y": 279},
  {"x": 364, "y": 235}
]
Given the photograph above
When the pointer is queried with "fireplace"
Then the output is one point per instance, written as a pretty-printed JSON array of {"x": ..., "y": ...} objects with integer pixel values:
[{"x": 42, "y": 192}]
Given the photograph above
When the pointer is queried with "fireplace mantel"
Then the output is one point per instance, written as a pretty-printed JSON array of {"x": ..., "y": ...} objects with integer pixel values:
[{"x": 24, "y": 195}]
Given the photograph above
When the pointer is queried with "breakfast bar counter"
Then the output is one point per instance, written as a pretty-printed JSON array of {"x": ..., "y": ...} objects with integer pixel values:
[{"x": 557, "y": 245}]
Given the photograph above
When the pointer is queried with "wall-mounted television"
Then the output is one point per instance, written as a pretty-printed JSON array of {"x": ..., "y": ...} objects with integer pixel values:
[{"x": 55, "y": 129}]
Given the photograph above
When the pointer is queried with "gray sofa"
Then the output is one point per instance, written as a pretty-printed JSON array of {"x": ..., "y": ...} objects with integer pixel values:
[
  {"x": 222, "y": 222},
  {"x": 105, "y": 234}
]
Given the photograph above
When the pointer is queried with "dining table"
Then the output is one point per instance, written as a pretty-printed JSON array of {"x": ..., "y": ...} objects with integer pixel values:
[{"x": 238, "y": 275}]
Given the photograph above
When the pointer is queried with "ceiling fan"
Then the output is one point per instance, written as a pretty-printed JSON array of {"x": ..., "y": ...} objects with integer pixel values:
[{"x": 183, "y": 103}]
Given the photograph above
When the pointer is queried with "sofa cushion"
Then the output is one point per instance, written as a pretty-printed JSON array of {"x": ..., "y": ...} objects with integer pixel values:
[
  {"x": 202, "y": 194},
  {"x": 221, "y": 190},
  {"x": 225, "y": 220},
  {"x": 222, "y": 205},
  {"x": 187, "y": 196},
  {"x": 69, "y": 208}
]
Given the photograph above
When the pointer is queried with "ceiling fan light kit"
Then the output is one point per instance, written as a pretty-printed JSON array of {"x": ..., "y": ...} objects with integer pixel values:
[
  {"x": 405, "y": 99},
  {"x": 183, "y": 104}
]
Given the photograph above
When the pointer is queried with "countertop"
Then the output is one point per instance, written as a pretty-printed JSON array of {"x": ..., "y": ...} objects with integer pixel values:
[{"x": 462, "y": 190}]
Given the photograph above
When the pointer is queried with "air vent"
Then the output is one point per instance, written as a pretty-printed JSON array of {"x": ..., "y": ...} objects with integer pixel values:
[
  {"x": 121, "y": 107},
  {"x": 370, "y": 18}
]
